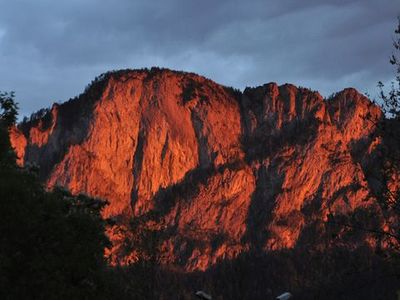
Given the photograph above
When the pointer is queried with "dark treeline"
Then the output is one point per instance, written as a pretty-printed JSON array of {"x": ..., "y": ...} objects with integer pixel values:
[{"x": 52, "y": 243}]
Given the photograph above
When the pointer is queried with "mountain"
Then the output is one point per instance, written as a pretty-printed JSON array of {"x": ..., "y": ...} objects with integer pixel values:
[{"x": 218, "y": 173}]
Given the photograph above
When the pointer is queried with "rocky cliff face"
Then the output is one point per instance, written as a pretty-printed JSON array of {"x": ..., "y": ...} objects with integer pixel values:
[{"x": 218, "y": 172}]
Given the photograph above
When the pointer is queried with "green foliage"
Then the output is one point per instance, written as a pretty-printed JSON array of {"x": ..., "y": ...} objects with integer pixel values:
[
  {"x": 8, "y": 117},
  {"x": 381, "y": 175},
  {"x": 9, "y": 109},
  {"x": 142, "y": 237},
  {"x": 234, "y": 92},
  {"x": 389, "y": 129},
  {"x": 391, "y": 99},
  {"x": 189, "y": 91},
  {"x": 52, "y": 243}
]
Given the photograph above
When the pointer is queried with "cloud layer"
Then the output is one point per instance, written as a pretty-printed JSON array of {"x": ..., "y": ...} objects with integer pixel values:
[{"x": 49, "y": 50}]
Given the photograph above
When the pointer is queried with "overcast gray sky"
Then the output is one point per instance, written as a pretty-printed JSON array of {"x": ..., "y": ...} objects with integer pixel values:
[{"x": 50, "y": 50}]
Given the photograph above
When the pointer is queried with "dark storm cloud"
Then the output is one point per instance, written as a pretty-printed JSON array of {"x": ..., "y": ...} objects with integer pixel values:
[{"x": 49, "y": 50}]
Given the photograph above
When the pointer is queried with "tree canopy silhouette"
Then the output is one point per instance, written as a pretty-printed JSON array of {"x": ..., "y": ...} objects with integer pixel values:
[{"x": 52, "y": 243}]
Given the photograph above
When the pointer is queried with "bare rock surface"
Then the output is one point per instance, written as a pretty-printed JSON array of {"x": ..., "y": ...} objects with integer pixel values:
[{"x": 221, "y": 172}]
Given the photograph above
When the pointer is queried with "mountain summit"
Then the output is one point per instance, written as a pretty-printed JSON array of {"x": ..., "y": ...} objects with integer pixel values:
[{"x": 217, "y": 171}]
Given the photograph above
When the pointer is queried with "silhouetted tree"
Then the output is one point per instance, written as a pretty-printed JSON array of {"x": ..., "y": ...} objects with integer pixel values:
[
  {"x": 52, "y": 243},
  {"x": 390, "y": 130},
  {"x": 8, "y": 117},
  {"x": 384, "y": 173}
]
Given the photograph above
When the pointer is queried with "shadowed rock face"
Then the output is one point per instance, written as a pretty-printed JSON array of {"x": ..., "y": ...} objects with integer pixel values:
[{"x": 220, "y": 172}]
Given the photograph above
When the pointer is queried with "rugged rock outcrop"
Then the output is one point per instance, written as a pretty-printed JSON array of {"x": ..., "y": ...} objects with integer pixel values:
[{"x": 218, "y": 172}]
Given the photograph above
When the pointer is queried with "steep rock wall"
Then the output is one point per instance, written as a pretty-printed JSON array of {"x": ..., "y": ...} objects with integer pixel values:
[{"x": 224, "y": 172}]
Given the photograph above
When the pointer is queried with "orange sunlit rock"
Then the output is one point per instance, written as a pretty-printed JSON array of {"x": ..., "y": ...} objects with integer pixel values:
[
  {"x": 225, "y": 172},
  {"x": 19, "y": 143}
]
